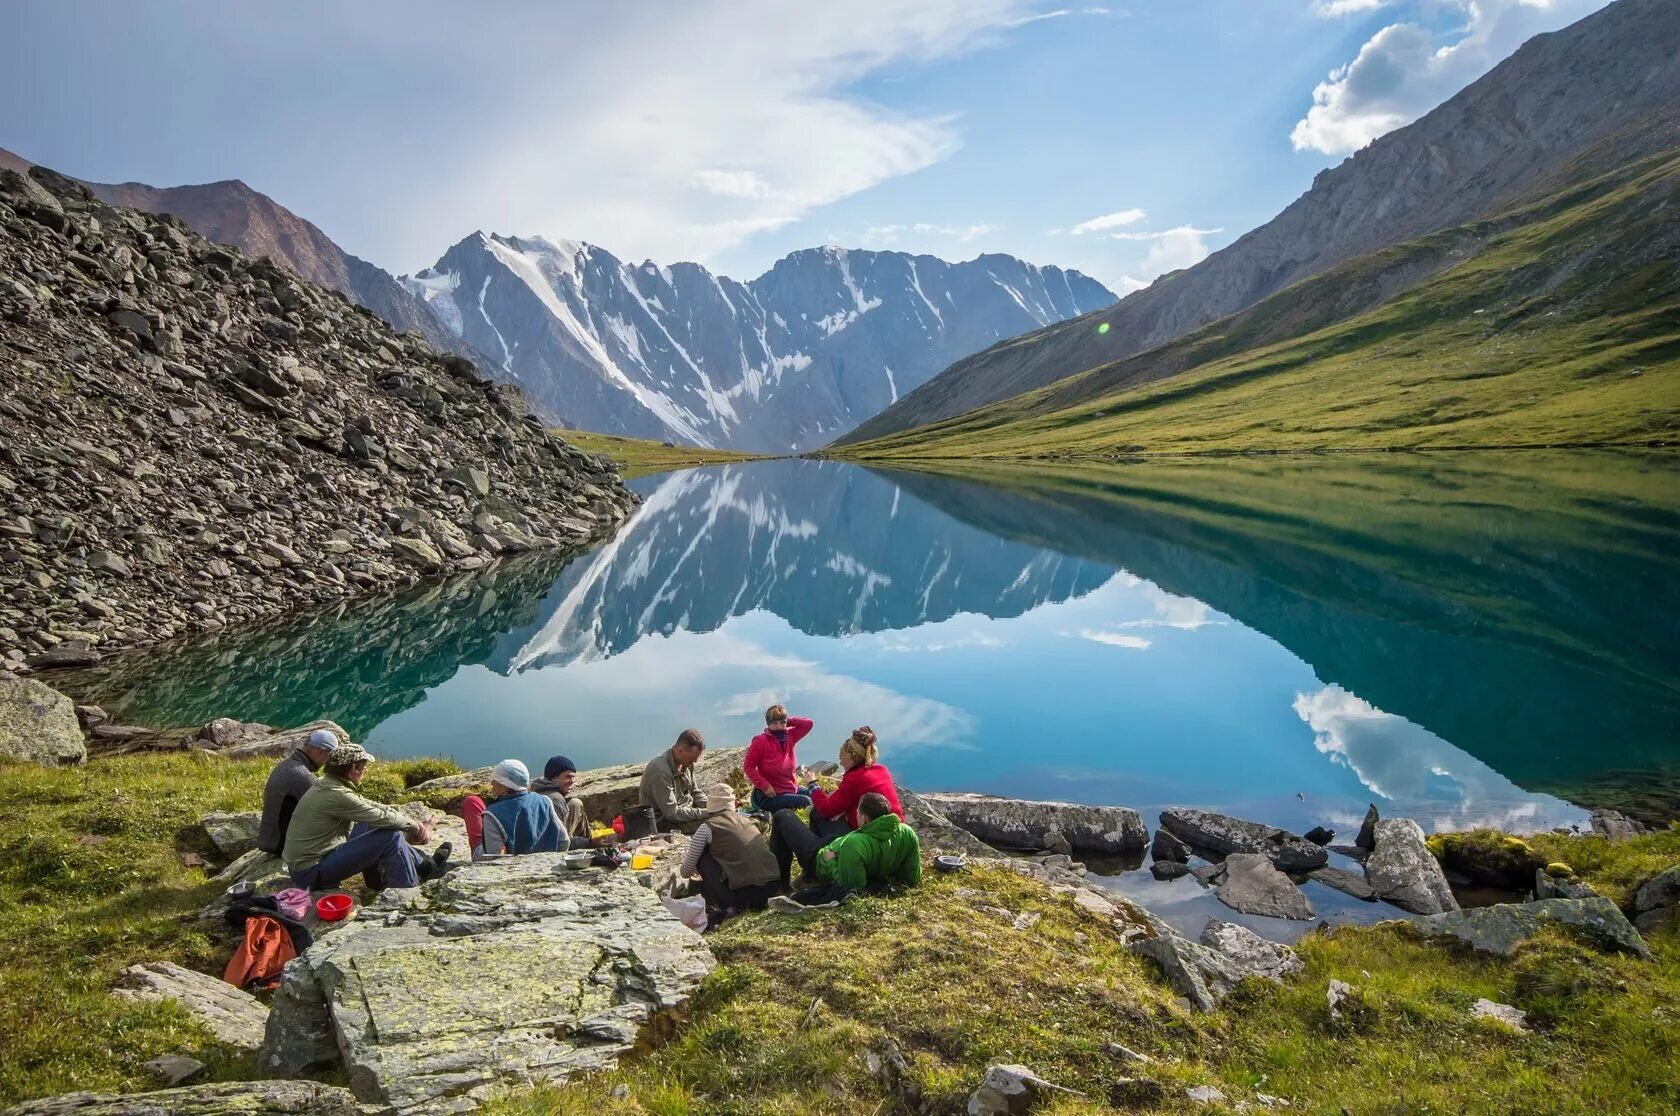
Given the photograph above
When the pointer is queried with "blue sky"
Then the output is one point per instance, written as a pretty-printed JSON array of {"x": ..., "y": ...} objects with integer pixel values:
[{"x": 1125, "y": 139}]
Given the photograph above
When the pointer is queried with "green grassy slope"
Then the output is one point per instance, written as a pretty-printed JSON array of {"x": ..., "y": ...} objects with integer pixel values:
[
  {"x": 638, "y": 457},
  {"x": 1562, "y": 327}
]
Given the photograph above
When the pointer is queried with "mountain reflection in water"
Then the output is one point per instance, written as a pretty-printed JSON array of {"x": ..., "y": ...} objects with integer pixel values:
[{"x": 1467, "y": 638}]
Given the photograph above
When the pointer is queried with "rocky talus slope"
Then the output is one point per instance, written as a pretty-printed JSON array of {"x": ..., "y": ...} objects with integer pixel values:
[{"x": 191, "y": 438}]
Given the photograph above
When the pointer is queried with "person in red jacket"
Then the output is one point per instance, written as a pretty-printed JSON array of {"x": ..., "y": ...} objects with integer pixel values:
[
  {"x": 837, "y": 813},
  {"x": 769, "y": 763}
]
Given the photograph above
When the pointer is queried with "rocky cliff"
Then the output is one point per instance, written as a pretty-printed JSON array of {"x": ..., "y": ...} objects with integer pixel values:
[
  {"x": 191, "y": 438},
  {"x": 1500, "y": 141}
]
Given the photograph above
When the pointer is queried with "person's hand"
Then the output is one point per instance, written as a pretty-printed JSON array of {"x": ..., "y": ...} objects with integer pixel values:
[{"x": 421, "y": 834}]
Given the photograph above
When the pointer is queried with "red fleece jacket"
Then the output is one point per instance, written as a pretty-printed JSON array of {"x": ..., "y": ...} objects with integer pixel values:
[
  {"x": 854, "y": 784},
  {"x": 769, "y": 763}
]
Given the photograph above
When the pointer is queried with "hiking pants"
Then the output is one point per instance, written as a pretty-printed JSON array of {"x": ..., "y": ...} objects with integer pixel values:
[
  {"x": 721, "y": 897},
  {"x": 770, "y": 803},
  {"x": 383, "y": 857},
  {"x": 790, "y": 838}
]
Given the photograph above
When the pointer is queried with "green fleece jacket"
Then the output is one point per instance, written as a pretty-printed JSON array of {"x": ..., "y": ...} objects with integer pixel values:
[{"x": 883, "y": 852}]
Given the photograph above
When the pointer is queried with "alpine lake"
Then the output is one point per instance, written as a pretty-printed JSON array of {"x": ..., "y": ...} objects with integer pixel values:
[{"x": 1469, "y": 638}]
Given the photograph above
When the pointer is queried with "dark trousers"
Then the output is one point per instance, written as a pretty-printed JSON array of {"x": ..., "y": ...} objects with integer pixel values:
[
  {"x": 382, "y": 856},
  {"x": 721, "y": 897},
  {"x": 791, "y": 838},
  {"x": 770, "y": 803},
  {"x": 830, "y": 828}
]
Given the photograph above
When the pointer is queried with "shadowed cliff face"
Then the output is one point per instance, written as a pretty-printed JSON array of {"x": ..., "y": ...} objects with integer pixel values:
[{"x": 1523, "y": 607}]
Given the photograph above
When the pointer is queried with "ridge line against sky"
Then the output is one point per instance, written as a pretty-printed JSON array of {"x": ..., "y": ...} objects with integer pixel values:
[{"x": 1124, "y": 141}]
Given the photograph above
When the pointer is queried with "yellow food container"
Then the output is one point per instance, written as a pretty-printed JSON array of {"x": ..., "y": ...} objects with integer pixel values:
[{"x": 641, "y": 860}]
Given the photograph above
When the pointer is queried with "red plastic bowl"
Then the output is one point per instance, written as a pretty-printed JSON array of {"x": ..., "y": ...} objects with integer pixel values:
[{"x": 331, "y": 908}]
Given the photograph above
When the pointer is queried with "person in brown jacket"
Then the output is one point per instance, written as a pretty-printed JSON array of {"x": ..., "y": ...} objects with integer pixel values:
[{"x": 736, "y": 867}]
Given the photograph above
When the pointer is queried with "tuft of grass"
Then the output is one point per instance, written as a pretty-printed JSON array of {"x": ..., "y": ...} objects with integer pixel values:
[
  {"x": 1615, "y": 868},
  {"x": 639, "y": 457},
  {"x": 1488, "y": 857}
]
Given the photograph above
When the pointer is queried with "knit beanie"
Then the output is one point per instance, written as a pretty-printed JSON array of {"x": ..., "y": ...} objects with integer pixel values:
[{"x": 558, "y": 766}]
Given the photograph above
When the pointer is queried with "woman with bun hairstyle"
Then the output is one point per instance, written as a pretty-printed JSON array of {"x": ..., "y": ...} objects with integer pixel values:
[{"x": 836, "y": 813}]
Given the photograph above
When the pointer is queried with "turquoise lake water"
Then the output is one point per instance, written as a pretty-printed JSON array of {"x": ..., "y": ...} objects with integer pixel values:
[{"x": 1466, "y": 639}]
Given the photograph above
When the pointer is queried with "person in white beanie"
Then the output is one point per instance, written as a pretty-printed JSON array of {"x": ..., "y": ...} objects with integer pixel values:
[
  {"x": 517, "y": 821},
  {"x": 736, "y": 867}
]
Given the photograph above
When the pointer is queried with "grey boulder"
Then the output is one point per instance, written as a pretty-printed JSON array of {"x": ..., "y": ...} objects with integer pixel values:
[
  {"x": 1349, "y": 883},
  {"x": 232, "y": 1015},
  {"x": 38, "y": 724},
  {"x": 1403, "y": 871},
  {"x": 234, "y": 835},
  {"x": 1010, "y": 1090},
  {"x": 1222, "y": 834},
  {"x": 238, "y": 1098},
  {"x": 1252, "y": 885},
  {"x": 1499, "y": 929},
  {"x": 1013, "y": 823},
  {"x": 1251, "y": 954}
]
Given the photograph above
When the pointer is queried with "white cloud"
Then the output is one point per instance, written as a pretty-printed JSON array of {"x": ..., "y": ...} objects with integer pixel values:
[
  {"x": 874, "y": 236},
  {"x": 1109, "y": 221},
  {"x": 1332, "y": 8},
  {"x": 1403, "y": 71},
  {"x": 1115, "y": 639},
  {"x": 732, "y": 184},
  {"x": 1169, "y": 250}
]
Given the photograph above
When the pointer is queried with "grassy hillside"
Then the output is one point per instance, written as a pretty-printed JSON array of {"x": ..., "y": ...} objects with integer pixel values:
[
  {"x": 1562, "y": 327},
  {"x": 638, "y": 457}
]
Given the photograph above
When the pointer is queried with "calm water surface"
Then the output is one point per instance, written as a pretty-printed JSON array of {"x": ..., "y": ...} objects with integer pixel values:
[{"x": 1467, "y": 639}]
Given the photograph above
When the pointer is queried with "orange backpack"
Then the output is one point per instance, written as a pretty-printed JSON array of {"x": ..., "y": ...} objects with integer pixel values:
[{"x": 260, "y": 957}]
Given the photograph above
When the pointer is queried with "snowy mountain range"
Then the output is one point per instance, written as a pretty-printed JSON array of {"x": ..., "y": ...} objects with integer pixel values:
[{"x": 788, "y": 361}]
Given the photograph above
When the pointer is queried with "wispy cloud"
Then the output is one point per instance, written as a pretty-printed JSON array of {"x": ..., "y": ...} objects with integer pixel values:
[
  {"x": 1115, "y": 639},
  {"x": 1107, "y": 221},
  {"x": 1333, "y": 8},
  {"x": 884, "y": 235}
]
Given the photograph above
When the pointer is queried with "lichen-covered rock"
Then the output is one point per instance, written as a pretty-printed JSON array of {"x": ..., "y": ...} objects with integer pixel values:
[
  {"x": 1615, "y": 826},
  {"x": 1199, "y": 973},
  {"x": 227, "y": 1098},
  {"x": 1403, "y": 871},
  {"x": 234, "y": 835},
  {"x": 499, "y": 973},
  {"x": 938, "y": 834},
  {"x": 1504, "y": 926},
  {"x": 1251, "y": 954},
  {"x": 1013, "y": 823},
  {"x": 1548, "y": 885},
  {"x": 1222, "y": 834},
  {"x": 232, "y": 1015},
  {"x": 1253, "y": 886},
  {"x": 38, "y": 724}
]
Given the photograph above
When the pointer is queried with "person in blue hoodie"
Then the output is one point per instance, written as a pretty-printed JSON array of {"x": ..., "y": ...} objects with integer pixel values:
[{"x": 517, "y": 820}]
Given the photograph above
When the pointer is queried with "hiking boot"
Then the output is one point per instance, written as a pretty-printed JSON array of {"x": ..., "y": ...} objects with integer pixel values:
[{"x": 435, "y": 865}]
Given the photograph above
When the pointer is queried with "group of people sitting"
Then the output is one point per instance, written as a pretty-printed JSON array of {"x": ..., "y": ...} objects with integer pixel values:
[{"x": 327, "y": 832}]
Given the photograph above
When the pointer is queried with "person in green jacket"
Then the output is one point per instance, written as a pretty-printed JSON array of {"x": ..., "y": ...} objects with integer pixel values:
[{"x": 881, "y": 854}]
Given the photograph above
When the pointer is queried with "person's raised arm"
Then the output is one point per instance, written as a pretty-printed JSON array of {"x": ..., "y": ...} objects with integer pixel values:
[{"x": 798, "y": 729}]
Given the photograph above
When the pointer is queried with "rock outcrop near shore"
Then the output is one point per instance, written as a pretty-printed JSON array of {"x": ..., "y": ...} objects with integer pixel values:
[
  {"x": 1013, "y": 823},
  {"x": 190, "y": 438}
]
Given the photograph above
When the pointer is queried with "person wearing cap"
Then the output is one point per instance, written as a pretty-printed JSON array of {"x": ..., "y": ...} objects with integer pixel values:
[
  {"x": 668, "y": 784},
  {"x": 517, "y": 821},
  {"x": 559, "y": 773},
  {"x": 287, "y": 784},
  {"x": 336, "y": 833},
  {"x": 737, "y": 869}
]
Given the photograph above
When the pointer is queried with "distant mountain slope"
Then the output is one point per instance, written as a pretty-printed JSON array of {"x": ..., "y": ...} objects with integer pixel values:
[
  {"x": 1562, "y": 327},
  {"x": 821, "y": 341},
  {"x": 1485, "y": 148},
  {"x": 230, "y": 212}
]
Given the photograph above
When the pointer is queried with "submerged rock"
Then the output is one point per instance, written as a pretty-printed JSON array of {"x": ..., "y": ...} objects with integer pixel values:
[
  {"x": 232, "y": 1015},
  {"x": 1013, "y": 823},
  {"x": 1349, "y": 883},
  {"x": 499, "y": 973},
  {"x": 38, "y": 724},
  {"x": 244, "y": 1098},
  {"x": 1252, "y": 885},
  {"x": 1222, "y": 834},
  {"x": 1504, "y": 926},
  {"x": 1402, "y": 870}
]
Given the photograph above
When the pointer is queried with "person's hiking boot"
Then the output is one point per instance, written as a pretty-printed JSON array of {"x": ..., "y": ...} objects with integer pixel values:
[{"x": 431, "y": 867}]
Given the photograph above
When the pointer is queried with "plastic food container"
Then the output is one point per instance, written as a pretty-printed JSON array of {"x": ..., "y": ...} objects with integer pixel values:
[
  {"x": 641, "y": 861},
  {"x": 331, "y": 908},
  {"x": 578, "y": 860}
]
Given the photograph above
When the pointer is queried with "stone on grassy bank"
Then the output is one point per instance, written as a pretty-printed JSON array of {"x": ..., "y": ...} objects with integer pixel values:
[
  {"x": 1013, "y": 823},
  {"x": 1223, "y": 835},
  {"x": 228, "y": 1098},
  {"x": 232, "y": 1015},
  {"x": 500, "y": 973},
  {"x": 1404, "y": 872},
  {"x": 38, "y": 724},
  {"x": 234, "y": 835},
  {"x": 1502, "y": 927},
  {"x": 1205, "y": 972}
]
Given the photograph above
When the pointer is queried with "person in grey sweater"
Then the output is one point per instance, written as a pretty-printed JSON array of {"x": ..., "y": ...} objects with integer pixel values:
[
  {"x": 287, "y": 784},
  {"x": 668, "y": 784}
]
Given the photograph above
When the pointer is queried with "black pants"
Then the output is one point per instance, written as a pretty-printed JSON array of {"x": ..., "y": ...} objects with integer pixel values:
[
  {"x": 791, "y": 838},
  {"x": 721, "y": 897}
]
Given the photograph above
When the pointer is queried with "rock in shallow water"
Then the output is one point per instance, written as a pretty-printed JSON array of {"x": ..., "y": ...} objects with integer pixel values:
[
  {"x": 1013, "y": 823},
  {"x": 1220, "y": 833},
  {"x": 1252, "y": 885},
  {"x": 1402, "y": 870}
]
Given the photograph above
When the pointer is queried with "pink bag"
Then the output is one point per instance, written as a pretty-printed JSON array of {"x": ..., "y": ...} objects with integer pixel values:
[{"x": 293, "y": 903}]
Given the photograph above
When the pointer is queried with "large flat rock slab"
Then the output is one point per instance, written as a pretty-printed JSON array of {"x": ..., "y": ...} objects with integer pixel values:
[
  {"x": 1504, "y": 926},
  {"x": 1254, "y": 886},
  {"x": 1222, "y": 834},
  {"x": 228, "y": 1098},
  {"x": 501, "y": 973},
  {"x": 233, "y": 1015},
  {"x": 1015, "y": 823}
]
